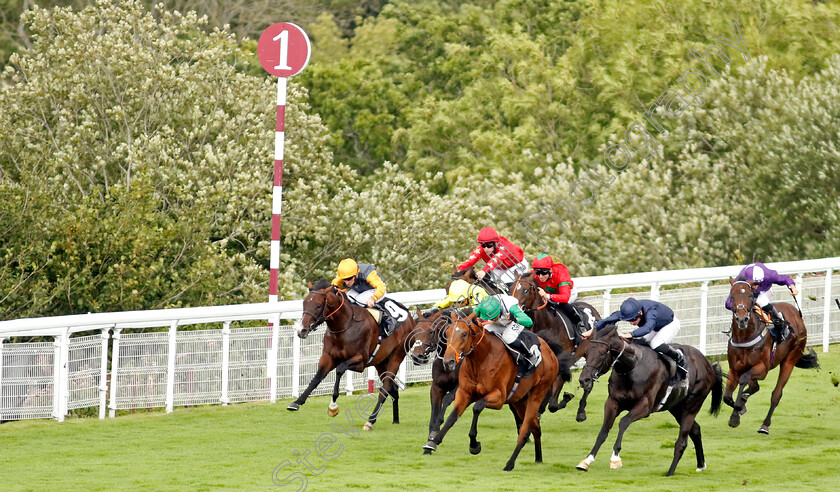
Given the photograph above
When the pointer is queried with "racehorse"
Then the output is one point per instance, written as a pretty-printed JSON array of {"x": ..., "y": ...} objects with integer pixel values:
[
  {"x": 639, "y": 384},
  {"x": 486, "y": 378},
  {"x": 468, "y": 275},
  {"x": 427, "y": 341},
  {"x": 351, "y": 343},
  {"x": 751, "y": 354},
  {"x": 555, "y": 327}
]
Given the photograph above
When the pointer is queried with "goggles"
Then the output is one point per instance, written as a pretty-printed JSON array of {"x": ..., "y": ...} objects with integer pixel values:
[
  {"x": 488, "y": 245},
  {"x": 542, "y": 271}
]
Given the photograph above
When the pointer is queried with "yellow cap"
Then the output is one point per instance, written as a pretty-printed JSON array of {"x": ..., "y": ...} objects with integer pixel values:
[{"x": 347, "y": 268}]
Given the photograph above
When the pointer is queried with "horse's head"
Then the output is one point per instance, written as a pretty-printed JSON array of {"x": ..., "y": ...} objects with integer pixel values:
[
  {"x": 462, "y": 335},
  {"x": 322, "y": 302},
  {"x": 422, "y": 342},
  {"x": 601, "y": 353},
  {"x": 743, "y": 299},
  {"x": 526, "y": 291}
]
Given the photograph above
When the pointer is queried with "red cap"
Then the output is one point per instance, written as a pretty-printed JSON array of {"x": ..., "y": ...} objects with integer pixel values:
[{"x": 487, "y": 234}]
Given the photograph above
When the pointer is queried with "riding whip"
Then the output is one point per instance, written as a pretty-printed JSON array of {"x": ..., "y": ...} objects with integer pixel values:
[{"x": 797, "y": 305}]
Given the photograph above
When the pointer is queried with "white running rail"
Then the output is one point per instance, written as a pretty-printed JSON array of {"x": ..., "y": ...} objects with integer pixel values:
[{"x": 102, "y": 359}]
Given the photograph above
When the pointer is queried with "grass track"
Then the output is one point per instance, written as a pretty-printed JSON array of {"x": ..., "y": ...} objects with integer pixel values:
[{"x": 206, "y": 448}]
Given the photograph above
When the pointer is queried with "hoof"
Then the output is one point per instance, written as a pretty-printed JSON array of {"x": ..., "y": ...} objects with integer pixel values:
[
  {"x": 581, "y": 417},
  {"x": 615, "y": 464},
  {"x": 734, "y": 420},
  {"x": 332, "y": 410},
  {"x": 742, "y": 411},
  {"x": 583, "y": 466},
  {"x": 702, "y": 468},
  {"x": 476, "y": 449},
  {"x": 508, "y": 467},
  {"x": 763, "y": 430},
  {"x": 368, "y": 426},
  {"x": 294, "y": 407},
  {"x": 429, "y": 447}
]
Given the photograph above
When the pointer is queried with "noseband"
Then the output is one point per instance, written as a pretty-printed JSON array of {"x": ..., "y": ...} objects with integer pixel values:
[
  {"x": 752, "y": 298},
  {"x": 597, "y": 373},
  {"x": 461, "y": 355},
  {"x": 319, "y": 319},
  {"x": 533, "y": 285}
]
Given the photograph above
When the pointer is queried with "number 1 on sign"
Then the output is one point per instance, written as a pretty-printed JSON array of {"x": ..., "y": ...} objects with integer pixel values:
[{"x": 284, "y": 50}]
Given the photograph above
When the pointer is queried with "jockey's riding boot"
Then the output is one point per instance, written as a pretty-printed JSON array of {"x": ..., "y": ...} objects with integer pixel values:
[
  {"x": 780, "y": 325},
  {"x": 678, "y": 357}
]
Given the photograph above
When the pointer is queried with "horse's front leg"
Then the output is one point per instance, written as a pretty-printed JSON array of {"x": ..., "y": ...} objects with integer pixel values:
[
  {"x": 325, "y": 365},
  {"x": 460, "y": 404},
  {"x": 610, "y": 413},
  {"x": 740, "y": 407},
  {"x": 475, "y": 445},
  {"x": 332, "y": 411},
  {"x": 581, "y": 413},
  {"x": 639, "y": 411},
  {"x": 731, "y": 382}
]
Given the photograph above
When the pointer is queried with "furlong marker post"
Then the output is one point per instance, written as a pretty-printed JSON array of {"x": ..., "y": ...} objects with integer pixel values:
[{"x": 283, "y": 50}]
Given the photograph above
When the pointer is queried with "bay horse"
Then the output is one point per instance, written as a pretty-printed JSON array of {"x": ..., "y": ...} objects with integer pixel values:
[
  {"x": 555, "y": 327},
  {"x": 351, "y": 344},
  {"x": 487, "y": 375},
  {"x": 751, "y": 354},
  {"x": 427, "y": 342},
  {"x": 639, "y": 384}
]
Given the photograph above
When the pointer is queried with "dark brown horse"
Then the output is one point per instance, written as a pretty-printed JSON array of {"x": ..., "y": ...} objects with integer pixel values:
[
  {"x": 428, "y": 342},
  {"x": 556, "y": 328},
  {"x": 751, "y": 354},
  {"x": 639, "y": 385},
  {"x": 351, "y": 343},
  {"x": 487, "y": 375}
]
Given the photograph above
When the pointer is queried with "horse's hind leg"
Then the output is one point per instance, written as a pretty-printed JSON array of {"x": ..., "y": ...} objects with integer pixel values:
[
  {"x": 388, "y": 389},
  {"x": 332, "y": 411},
  {"x": 475, "y": 445},
  {"x": 694, "y": 434},
  {"x": 686, "y": 426},
  {"x": 530, "y": 424},
  {"x": 784, "y": 374}
]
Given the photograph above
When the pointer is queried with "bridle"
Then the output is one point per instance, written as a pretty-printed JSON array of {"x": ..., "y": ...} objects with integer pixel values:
[
  {"x": 321, "y": 318},
  {"x": 596, "y": 371},
  {"x": 532, "y": 283},
  {"x": 437, "y": 325},
  {"x": 461, "y": 355},
  {"x": 752, "y": 298}
]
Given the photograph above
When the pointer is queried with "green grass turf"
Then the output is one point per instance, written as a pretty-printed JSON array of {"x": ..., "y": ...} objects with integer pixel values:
[{"x": 238, "y": 446}]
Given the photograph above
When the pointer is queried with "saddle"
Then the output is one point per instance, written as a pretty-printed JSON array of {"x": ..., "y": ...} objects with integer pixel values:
[
  {"x": 764, "y": 316},
  {"x": 526, "y": 362},
  {"x": 574, "y": 331},
  {"x": 389, "y": 315}
]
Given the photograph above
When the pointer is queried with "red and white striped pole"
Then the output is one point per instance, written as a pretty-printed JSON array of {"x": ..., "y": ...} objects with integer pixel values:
[
  {"x": 277, "y": 191},
  {"x": 283, "y": 51}
]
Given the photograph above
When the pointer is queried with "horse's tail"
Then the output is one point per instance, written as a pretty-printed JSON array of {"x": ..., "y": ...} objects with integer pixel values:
[
  {"x": 808, "y": 360},
  {"x": 717, "y": 391},
  {"x": 565, "y": 360}
]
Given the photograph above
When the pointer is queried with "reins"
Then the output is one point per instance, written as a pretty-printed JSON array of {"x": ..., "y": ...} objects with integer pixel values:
[
  {"x": 597, "y": 371},
  {"x": 461, "y": 355}
]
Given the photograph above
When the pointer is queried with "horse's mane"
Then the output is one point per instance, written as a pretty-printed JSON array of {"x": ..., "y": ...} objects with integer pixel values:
[
  {"x": 321, "y": 283},
  {"x": 606, "y": 332},
  {"x": 462, "y": 312}
]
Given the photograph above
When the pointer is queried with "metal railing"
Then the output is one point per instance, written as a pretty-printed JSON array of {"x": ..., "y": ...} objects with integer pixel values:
[{"x": 220, "y": 364}]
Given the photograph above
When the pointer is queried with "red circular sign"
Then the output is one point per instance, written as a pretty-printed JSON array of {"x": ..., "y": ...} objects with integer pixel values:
[{"x": 283, "y": 49}]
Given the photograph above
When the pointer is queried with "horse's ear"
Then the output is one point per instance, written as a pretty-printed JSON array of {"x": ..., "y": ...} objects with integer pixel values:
[
  {"x": 731, "y": 280},
  {"x": 454, "y": 269},
  {"x": 309, "y": 285},
  {"x": 419, "y": 313}
]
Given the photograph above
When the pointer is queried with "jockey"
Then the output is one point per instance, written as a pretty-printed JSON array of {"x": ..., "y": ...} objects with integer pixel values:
[
  {"x": 656, "y": 323},
  {"x": 762, "y": 279},
  {"x": 493, "y": 313},
  {"x": 364, "y": 288},
  {"x": 460, "y": 290},
  {"x": 503, "y": 259},
  {"x": 556, "y": 286}
]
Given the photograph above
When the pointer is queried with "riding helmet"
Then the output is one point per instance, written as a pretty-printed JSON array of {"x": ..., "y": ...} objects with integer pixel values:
[
  {"x": 347, "y": 268},
  {"x": 630, "y": 309},
  {"x": 487, "y": 235}
]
